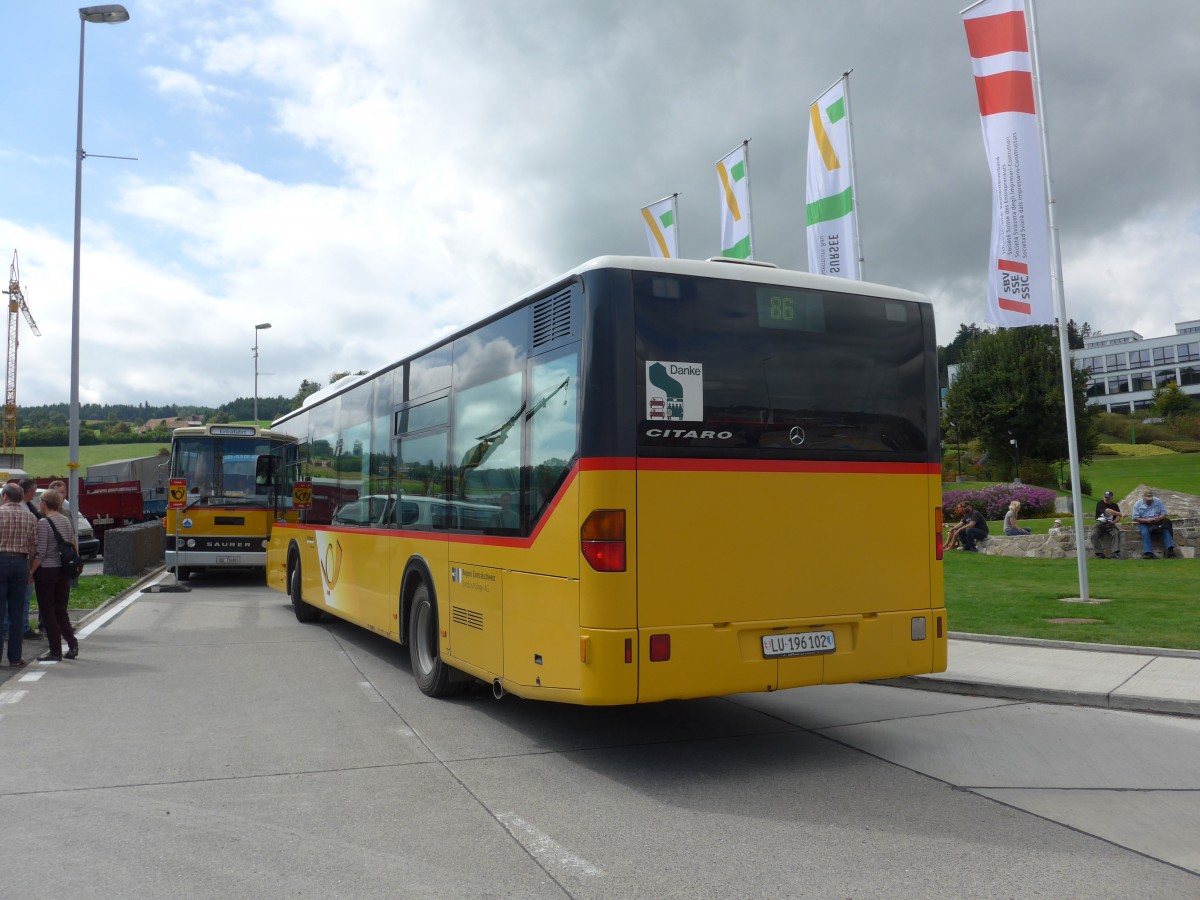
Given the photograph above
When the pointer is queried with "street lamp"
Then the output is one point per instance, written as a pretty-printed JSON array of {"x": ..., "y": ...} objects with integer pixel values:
[
  {"x": 105, "y": 15},
  {"x": 257, "y": 329},
  {"x": 1017, "y": 455},
  {"x": 957, "y": 450}
]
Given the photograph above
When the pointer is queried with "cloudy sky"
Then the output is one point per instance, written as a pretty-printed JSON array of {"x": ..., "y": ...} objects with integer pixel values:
[{"x": 368, "y": 175}]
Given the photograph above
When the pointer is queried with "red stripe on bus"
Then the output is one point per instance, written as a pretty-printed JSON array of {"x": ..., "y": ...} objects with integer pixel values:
[
  {"x": 1003, "y": 33},
  {"x": 607, "y": 463},
  {"x": 1016, "y": 306},
  {"x": 1005, "y": 92},
  {"x": 1008, "y": 265},
  {"x": 784, "y": 465}
]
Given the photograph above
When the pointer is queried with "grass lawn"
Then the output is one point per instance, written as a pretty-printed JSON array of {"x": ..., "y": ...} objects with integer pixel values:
[
  {"x": 1153, "y": 603},
  {"x": 44, "y": 462},
  {"x": 1175, "y": 471},
  {"x": 92, "y": 591}
]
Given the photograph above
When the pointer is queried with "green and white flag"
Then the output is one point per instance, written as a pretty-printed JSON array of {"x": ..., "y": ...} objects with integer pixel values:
[
  {"x": 737, "y": 236},
  {"x": 661, "y": 229},
  {"x": 832, "y": 223}
]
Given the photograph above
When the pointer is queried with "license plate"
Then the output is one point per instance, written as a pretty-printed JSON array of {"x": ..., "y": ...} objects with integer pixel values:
[
  {"x": 800, "y": 643},
  {"x": 229, "y": 560}
]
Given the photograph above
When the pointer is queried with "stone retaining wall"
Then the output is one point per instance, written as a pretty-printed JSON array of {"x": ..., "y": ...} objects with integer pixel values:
[
  {"x": 134, "y": 549},
  {"x": 1060, "y": 542}
]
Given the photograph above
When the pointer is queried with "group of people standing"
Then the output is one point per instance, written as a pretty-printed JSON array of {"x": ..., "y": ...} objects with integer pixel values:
[{"x": 30, "y": 562}]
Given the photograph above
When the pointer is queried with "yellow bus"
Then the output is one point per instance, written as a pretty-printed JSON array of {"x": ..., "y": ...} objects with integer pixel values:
[
  {"x": 232, "y": 475},
  {"x": 648, "y": 479}
]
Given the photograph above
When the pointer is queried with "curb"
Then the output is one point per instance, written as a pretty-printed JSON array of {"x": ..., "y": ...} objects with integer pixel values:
[
  {"x": 932, "y": 683},
  {"x": 1073, "y": 645}
]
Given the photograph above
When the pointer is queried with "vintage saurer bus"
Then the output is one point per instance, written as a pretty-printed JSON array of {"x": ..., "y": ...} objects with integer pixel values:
[
  {"x": 232, "y": 475},
  {"x": 647, "y": 479}
]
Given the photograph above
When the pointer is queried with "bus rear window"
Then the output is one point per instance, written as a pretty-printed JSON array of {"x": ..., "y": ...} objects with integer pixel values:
[{"x": 771, "y": 370}]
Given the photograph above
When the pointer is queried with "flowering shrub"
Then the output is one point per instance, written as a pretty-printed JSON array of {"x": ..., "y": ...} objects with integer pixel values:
[{"x": 993, "y": 501}]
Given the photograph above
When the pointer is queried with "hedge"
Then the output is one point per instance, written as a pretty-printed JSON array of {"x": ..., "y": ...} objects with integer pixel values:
[{"x": 993, "y": 501}]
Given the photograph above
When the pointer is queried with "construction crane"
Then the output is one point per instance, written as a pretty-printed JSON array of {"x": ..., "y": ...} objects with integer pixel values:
[{"x": 16, "y": 302}]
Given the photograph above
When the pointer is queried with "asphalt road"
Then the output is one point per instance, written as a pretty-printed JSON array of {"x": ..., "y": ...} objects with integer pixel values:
[{"x": 205, "y": 744}]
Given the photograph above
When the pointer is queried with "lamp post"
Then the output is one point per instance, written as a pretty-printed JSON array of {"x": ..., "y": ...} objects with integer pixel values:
[
  {"x": 257, "y": 329},
  {"x": 957, "y": 450},
  {"x": 1017, "y": 456},
  {"x": 105, "y": 15}
]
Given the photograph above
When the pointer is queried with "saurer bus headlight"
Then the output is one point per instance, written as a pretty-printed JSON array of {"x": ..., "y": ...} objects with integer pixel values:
[{"x": 190, "y": 543}]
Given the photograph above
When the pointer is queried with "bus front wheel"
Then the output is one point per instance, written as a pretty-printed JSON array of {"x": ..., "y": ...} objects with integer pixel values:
[
  {"x": 432, "y": 675},
  {"x": 304, "y": 612}
]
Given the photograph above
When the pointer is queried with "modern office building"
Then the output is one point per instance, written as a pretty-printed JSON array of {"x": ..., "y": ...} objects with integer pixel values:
[{"x": 1125, "y": 367}]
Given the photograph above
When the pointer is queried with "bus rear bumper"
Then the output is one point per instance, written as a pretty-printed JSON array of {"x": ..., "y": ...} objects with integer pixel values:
[{"x": 712, "y": 660}]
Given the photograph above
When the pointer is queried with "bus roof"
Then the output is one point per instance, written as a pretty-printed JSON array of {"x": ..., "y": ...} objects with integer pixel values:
[
  {"x": 234, "y": 431},
  {"x": 716, "y": 267},
  {"x": 739, "y": 270}
]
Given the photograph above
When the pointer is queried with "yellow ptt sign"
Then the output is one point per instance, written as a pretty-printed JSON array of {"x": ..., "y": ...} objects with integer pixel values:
[
  {"x": 177, "y": 493},
  {"x": 302, "y": 495}
]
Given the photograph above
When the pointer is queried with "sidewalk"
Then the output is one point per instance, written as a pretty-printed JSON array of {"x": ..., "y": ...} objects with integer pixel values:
[{"x": 1144, "y": 679}]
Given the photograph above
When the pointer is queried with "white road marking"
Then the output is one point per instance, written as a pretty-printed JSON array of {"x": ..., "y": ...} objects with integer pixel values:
[
  {"x": 544, "y": 848},
  {"x": 12, "y": 696},
  {"x": 32, "y": 676},
  {"x": 101, "y": 621},
  {"x": 369, "y": 689}
]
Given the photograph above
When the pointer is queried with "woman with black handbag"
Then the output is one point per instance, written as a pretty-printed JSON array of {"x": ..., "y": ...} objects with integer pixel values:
[{"x": 51, "y": 578}]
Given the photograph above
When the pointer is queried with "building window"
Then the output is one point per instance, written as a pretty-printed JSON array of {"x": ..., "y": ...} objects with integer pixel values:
[
  {"x": 1164, "y": 355},
  {"x": 1188, "y": 352},
  {"x": 1141, "y": 381},
  {"x": 1095, "y": 387},
  {"x": 1139, "y": 358},
  {"x": 1164, "y": 377},
  {"x": 1114, "y": 362},
  {"x": 1139, "y": 405},
  {"x": 1118, "y": 384}
]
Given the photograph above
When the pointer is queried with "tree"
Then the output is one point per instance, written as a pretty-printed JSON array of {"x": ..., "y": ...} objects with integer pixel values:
[
  {"x": 1077, "y": 333},
  {"x": 952, "y": 352},
  {"x": 1171, "y": 400},
  {"x": 1009, "y": 388},
  {"x": 307, "y": 389}
]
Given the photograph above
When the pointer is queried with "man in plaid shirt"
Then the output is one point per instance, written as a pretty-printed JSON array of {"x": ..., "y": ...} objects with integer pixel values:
[{"x": 18, "y": 527}]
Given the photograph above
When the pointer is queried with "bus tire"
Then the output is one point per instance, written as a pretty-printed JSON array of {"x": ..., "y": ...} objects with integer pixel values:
[
  {"x": 305, "y": 612},
  {"x": 184, "y": 573},
  {"x": 432, "y": 675}
]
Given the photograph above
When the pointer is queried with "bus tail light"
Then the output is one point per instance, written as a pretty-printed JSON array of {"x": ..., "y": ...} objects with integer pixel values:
[
  {"x": 602, "y": 540},
  {"x": 660, "y": 647},
  {"x": 938, "y": 538}
]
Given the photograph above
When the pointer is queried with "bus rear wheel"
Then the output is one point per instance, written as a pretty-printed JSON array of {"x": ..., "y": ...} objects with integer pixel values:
[
  {"x": 433, "y": 676},
  {"x": 304, "y": 612}
]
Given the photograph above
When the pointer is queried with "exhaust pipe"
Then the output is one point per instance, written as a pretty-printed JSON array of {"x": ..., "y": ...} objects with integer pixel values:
[{"x": 497, "y": 689}]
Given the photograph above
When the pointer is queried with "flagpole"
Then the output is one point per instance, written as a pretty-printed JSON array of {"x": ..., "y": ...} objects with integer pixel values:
[
  {"x": 675, "y": 219},
  {"x": 749, "y": 202},
  {"x": 862, "y": 276},
  {"x": 1060, "y": 309}
]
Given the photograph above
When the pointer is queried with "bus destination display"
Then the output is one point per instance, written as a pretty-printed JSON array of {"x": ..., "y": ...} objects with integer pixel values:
[{"x": 790, "y": 310}]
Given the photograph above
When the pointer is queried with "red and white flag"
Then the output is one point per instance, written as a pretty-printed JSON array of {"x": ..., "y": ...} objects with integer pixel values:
[{"x": 1019, "y": 266}]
